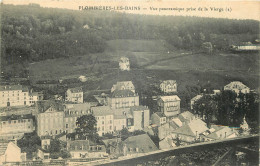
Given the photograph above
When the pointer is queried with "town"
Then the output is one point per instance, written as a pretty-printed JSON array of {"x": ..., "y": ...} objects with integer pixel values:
[{"x": 116, "y": 125}]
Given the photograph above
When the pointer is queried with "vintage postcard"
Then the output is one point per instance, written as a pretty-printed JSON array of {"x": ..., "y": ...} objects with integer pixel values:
[{"x": 121, "y": 82}]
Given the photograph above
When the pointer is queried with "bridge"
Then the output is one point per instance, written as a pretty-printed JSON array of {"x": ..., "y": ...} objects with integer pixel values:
[{"x": 156, "y": 155}]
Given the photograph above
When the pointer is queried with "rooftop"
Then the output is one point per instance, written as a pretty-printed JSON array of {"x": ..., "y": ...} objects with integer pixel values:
[
  {"x": 43, "y": 105},
  {"x": 236, "y": 85},
  {"x": 160, "y": 114},
  {"x": 169, "y": 82},
  {"x": 102, "y": 111},
  {"x": 76, "y": 90},
  {"x": 13, "y": 88},
  {"x": 16, "y": 117},
  {"x": 187, "y": 115},
  {"x": 170, "y": 98},
  {"x": 142, "y": 142},
  {"x": 196, "y": 98},
  {"x": 194, "y": 128},
  {"x": 122, "y": 93}
]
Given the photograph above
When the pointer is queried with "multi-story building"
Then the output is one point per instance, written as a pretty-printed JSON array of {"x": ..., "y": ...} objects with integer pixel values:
[
  {"x": 158, "y": 118},
  {"x": 18, "y": 95},
  {"x": 123, "y": 85},
  {"x": 74, "y": 95},
  {"x": 168, "y": 86},
  {"x": 72, "y": 112},
  {"x": 50, "y": 118},
  {"x": 237, "y": 87},
  {"x": 141, "y": 117},
  {"x": 123, "y": 99},
  {"x": 169, "y": 105},
  {"x": 124, "y": 64},
  {"x": 14, "y": 126},
  {"x": 86, "y": 149},
  {"x": 105, "y": 119}
]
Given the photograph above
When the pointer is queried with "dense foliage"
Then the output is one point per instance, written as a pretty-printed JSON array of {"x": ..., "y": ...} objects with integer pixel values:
[
  {"x": 228, "y": 108},
  {"x": 86, "y": 127},
  {"x": 31, "y": 33},
  {"x": 29, "y": 143}
]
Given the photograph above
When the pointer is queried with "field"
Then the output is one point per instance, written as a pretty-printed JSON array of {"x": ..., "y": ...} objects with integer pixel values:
[{"x": 152, "y": 59}]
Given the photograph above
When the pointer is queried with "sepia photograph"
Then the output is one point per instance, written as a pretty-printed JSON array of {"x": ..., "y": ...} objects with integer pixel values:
[{"x": 129, "y": 83}]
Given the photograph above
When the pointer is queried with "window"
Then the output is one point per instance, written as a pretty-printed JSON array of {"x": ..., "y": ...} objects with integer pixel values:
[
  {"x": 67, "y": 125},
  {"x": 102, "y": 122},
  {"x": 102, "y": 128}
]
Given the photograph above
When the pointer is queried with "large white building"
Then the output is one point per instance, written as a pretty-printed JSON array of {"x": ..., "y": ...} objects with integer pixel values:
[
  {"x": 50, "y": 118},
  {"x": 168, "y": 86},
  {"x": 124, "y": 64},
  {"x": 169, "y": 105},
  {"x": 237, "y": 87},
  {"x": 18, "y": 95},
  {"x": 105, "y": 119},
  {"x": 74, "y": 95},
  {"x": 111, "y": 120},
  {"x": 123, "y": 85},
  {"x": 123, "y": 99},
  {"x": 14, "y": 126},
  {"x": 72, "y": 112}
]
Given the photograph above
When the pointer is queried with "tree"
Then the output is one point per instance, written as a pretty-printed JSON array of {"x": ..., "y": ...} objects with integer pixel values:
[
  {"x": 226, "y": 103},
  {"x": 252, "y": 112},
  {"x": 86, "y": 127},
  {"x": 206, "y": 108},
  {"x": 28, "y": 143}
]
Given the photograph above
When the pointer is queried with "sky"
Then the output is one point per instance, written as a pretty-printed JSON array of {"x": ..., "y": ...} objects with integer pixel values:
[{"x": 204, "y": 8}]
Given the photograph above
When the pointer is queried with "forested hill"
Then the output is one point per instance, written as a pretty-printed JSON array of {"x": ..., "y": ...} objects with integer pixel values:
[{"x": 31, "y": 33}]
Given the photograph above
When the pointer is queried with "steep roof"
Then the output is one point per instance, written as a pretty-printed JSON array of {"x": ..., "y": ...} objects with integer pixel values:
[
  {"x": 142, "y": 142},
  {"x": 160, "y": 114},
  {"x": 236, "y": 85},
  {"x": 44, "y": 105},
  {"x": 186, "y": 116},
  {"x": 220, "y": 132},
  {"x": 76, "y": 90},
  {"x": 196, "y": 126},
  {"x": 169, "y": 82},
  {"x": 196, "y": 98},
  {"x": 123, "y": 85},
  {"x": 122, "y": 93},
  {"x": 3, "y": 146},
  {"x": 123, "y": 60},
  {"x": 170, "y": 98},
  {"x": 102, "y": 111}
]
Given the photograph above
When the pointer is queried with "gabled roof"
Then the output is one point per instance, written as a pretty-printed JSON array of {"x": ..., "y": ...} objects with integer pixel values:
[
  {"x": 169, "y": 98},
  {"x": 142, "y": 142},
  {"x": 177, "y": 121},
  {"x": 123, "y": 60},
  {"x": 44, "y": 105},
  {"x": 160, "y": 114},
  {"x": 3, "y": 146},
  {"x": 196, "y": 98},
  {"x": 220, "y": 132},
  {"x": 102, "y": 111},
  {"x": 122, "y": 93},
  {"x": 76, "y": 90},
  {"x": 236, "y": 85},
  {"x": 196, "y": 126},
  {"x": 123, "y": 85},
  {"x": 169, "y": 82},
  {"x": 186, "y": 116},
  {"x": 122, "y": 113}
]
